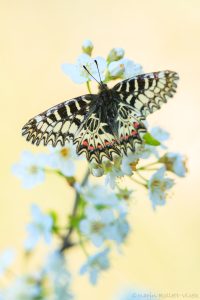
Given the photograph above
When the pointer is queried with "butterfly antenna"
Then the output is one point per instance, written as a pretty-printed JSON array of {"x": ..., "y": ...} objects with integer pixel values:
[
  {"x": 98, "y": 70},
  {"x": 90, "y": 74}
]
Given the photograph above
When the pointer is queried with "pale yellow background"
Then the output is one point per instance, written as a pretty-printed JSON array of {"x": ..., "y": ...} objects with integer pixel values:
[{"x": 163, "y": 252}]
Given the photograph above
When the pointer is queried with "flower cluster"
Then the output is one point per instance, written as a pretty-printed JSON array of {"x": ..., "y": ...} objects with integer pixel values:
[
  {"x": 116, "y": 66},
  {"x": 104, "y": 216},
  {"x": 50, "y": 283},
  {"x": 99, "y": 217}
]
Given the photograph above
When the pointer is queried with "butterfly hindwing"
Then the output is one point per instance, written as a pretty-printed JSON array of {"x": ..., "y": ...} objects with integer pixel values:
[
  {"x": 147, "y": 92},
  {"x": 130, "y": 128},
  {"x": 59, "y": 123},
  {"x": 96, "y": 139}
]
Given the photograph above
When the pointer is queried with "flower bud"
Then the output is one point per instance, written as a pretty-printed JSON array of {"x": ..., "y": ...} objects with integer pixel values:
[
  {"x": 115, "y": 54},
  {"x": 87, "y": 47},
  {"x": 116, "y": 69},
  {"x": 96, "y": 170}
]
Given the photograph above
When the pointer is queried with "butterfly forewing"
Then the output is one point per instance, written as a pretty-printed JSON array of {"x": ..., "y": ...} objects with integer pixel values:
[
  {"x": 59, "y": 123},
  {"x": 147, "y": 92}
]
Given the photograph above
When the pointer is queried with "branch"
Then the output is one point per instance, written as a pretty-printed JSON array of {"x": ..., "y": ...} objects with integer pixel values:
[{"x": 66, "y": 240}]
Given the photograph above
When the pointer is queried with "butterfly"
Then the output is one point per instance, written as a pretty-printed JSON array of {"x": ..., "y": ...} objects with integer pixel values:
[{"x": 107, "y": 124}]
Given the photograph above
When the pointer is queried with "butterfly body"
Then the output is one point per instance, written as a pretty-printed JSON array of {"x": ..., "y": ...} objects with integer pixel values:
[{"x": 106, "y": 124}]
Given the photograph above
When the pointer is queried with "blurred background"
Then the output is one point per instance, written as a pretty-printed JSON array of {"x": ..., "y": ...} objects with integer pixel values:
[{"x": 163, "y": 252}]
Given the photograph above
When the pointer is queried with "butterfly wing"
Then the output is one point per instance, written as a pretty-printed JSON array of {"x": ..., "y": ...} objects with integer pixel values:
[
  {"x": 130, "y": 128},
  {"x": 147, "y": 92},
  {"x": 59, "y": 123},
  {"x": 96, "y": 137},
  {"x": 80, "y": 120}
]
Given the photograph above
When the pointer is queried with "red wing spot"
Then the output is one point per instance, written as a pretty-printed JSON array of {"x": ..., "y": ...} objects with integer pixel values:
[
  {"x": 123, "y": 137},
  {"x": 85, "y": 143},
  {"x": 133, "y": 132},
  {"x": 107, "y": 143},
  {"x": 99, "y": 146},
  {"x": 91, "y": 148},
  {"x": 136, "y": 124}
]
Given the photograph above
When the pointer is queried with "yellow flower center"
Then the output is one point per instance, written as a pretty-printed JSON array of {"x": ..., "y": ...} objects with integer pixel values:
[
  {"x": 97, "y": 226},
  {"x": 64, "y": 152},
  {"x": 159, "y": 184},
  {"x": 33, "y": 169},
  {"x": 133, "y": 165}
]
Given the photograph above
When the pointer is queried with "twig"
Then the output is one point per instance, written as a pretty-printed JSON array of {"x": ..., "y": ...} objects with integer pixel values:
[{"x": 66, "y": 240}]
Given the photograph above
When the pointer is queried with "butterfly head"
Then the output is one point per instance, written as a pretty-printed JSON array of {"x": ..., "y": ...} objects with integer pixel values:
[{"x": 103, "y": 87}]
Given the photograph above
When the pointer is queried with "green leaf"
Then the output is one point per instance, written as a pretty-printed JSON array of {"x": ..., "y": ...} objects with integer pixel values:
[
  {"x": 150, "y": 140},
  {"x": 53, "y": 214}
]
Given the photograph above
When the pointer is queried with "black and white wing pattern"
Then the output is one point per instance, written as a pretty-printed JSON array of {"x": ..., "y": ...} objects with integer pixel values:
[
  {"x": 96, "y": 138},
  {"x": 59, "y": 123},
  {"x": 130, "y": 128},
  {"x": 147, "y": 92},
  {"x": 106, "y": 124},
  {"x": 79, "y": 120}
]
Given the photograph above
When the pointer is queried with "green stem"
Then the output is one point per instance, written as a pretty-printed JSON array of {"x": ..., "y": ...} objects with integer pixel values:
[
  {"x": 151, "y": 169},
  {"x": 148, "y": 165},
  {"x": 142, "y": 177},
  {"x": 54, "y": 171},
  {"x": 138, "y": 182},
  {"x": 88, "y": 87},
  {"x": 70, "y": 179}
]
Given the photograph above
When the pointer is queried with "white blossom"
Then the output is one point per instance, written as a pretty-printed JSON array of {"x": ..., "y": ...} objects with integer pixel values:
[
  {"x": 41, "y": 226},
  {"x": 112, "y": 176},
  {"x": 131, "y": 68},
  {"x": 6, "y": 259},
  {"x": 130, "y": 161},
  {"x": 95, "y": 265},
  {"x": 160, "y": 134},
  {"x": 105, "y": 215},
  {"x": 158, "y": 185},
  {"x": 118, "y": 230},
  {"x": 23, "y": 288},
  {"x": 99, "y": 195},
  {"x": 58, "y": 277},
  {"x": 124, "y": 68},
  {"x": 79, "y": 75},
  {"x": 175, "y": 162},
  {"x": 116, "y": 69},
  {"x": 62, "y": 159},
  {"x": 30, "y": 170},
  {"x": 96, "y": 223}
]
